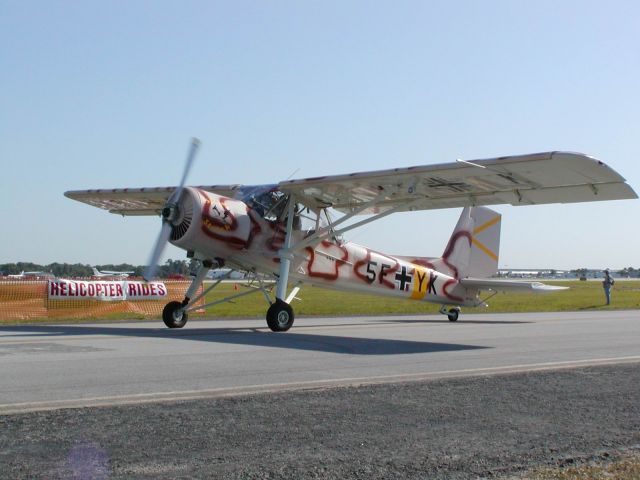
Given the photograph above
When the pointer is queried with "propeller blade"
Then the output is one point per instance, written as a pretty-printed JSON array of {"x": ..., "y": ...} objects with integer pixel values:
[
  {"x": 193, "y": 148},
  {"x": 152, "y": 267}
]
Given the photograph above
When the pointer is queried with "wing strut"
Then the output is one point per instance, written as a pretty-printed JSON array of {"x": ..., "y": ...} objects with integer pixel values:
[{"x": 318, "y": 236}]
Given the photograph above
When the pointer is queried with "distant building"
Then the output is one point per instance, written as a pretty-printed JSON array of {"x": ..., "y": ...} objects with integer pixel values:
[{"x": 582, "y": 273}]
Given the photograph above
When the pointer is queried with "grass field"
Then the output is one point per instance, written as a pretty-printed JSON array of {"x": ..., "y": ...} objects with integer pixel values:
[
  {"x": 318, "y": 301},
  {"x": 315, "y": 301}
]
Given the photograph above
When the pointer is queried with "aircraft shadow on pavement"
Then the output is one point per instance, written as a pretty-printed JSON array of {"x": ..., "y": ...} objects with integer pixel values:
[{"x": 253, "y": 337}]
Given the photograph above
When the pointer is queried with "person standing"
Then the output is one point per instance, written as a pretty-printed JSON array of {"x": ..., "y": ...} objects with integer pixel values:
[{"x": 607, "y": 283}]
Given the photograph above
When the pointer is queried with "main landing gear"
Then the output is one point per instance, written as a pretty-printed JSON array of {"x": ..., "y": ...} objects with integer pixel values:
[
  {"x": 452, "y": 314},
  {"x": 174, "y": 316},
  {"x": 280, "y": 316}
]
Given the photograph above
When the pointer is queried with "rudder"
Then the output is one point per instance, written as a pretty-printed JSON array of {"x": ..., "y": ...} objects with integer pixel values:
[
  {"x": 474, "y": 246},
  {"x": 485, "y": 243}
]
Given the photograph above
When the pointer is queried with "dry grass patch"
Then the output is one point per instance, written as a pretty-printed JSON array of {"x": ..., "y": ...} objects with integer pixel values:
[{"x": 625, "y": 467}]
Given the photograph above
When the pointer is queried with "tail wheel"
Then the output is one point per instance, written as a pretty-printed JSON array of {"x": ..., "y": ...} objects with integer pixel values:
[
  {"x": 173, "y": 316},
  {"x": 280, "y": 316},
  {"x": 453, "y": 314}
]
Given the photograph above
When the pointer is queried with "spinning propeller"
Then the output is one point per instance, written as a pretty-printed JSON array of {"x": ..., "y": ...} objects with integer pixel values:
[{"x": 170, "y": 213}]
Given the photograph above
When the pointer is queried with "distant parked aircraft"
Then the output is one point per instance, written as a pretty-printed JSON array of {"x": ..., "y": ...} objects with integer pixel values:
[
  {"x": 24, "y": 274},
  {"x": 110, "y": 273},
  {"x": 223, "y": 273}
]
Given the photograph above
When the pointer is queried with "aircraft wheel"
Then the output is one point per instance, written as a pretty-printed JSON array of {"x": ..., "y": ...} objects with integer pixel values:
[
  {"x": 172, "y": 317},
  {"x": 453, "y": 314},
  {"x": 280, "y": 316}
]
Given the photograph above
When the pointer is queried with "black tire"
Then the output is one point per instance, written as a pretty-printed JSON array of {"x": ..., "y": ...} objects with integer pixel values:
[
  {"x": 453, "y": 314},
  {"x": 169, "y": 315},
  {"x": 280, "y": 316}
]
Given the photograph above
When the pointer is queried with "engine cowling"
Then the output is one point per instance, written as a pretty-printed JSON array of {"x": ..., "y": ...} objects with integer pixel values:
[{"x": 210, "y": 223}]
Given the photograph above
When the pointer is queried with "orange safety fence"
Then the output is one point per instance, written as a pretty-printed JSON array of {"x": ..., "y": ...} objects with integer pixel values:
[{"x": 26, "y": 299}]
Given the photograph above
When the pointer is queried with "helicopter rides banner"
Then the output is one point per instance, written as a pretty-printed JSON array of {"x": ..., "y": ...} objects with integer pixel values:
[{"x": 113, "y": 290}]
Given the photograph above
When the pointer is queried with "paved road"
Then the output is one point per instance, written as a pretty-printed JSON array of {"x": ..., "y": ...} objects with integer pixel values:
[{"x": 51, "y": 366}]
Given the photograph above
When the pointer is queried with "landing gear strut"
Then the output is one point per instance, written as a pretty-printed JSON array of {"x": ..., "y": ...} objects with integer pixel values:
[
  {"x": 174, "y": 314},
  {"x": 280, "y": 313}
]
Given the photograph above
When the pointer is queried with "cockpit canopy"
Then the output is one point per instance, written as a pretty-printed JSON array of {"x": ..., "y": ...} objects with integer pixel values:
[{"x": 266, "y": 200}]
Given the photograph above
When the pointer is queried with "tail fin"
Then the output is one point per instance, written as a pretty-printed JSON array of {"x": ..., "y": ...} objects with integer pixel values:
[
  {"x": 96, "y": 272},
  {"x": 474, "y": 246}
]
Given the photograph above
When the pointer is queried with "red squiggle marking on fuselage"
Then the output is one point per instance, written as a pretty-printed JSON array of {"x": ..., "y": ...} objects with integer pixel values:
[
  {"x": 381, "y": 278},
  {"x": 449, "y": 250},
  {"x": 360, "y": 263},
  {"x": 445, "y": 290},
  {"x": 276, "y": 241},
  {"x": 256, "y": 229},
  {"x": 209, "y": 223},
  {"x": 338, "y": 262},
  {"x": 423, "y": 263}
]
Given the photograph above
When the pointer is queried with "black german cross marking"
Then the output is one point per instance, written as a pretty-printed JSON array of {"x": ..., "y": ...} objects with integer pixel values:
[{"x": 404, "y": 279}]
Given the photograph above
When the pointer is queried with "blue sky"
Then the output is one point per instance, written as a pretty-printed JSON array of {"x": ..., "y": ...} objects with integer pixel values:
[{"x": 107, "y": 94}]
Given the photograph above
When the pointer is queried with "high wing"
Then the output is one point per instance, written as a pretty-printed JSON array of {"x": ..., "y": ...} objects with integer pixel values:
[
  {"x": 551, "y": 177},
  {"x": 138, "y": 201}
]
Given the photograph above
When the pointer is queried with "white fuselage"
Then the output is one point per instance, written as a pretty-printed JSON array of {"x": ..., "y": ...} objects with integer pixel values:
[{"x": 227, "y": 229}]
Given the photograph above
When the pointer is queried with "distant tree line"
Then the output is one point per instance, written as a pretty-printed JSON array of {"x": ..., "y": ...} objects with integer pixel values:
[
  {"x": 170, "y": 268},
  {"x": 628, "y": 272}
]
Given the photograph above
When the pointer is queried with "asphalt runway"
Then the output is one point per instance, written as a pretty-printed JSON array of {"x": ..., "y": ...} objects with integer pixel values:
[{"x": 55, "y": 366}]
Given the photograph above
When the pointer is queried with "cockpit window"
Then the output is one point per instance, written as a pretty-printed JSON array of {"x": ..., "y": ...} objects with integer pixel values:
[{"x": 266, "y": 201}]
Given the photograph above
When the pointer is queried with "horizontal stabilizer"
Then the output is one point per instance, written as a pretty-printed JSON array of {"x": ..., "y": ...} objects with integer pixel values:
[{"x": 498, "y": 285}]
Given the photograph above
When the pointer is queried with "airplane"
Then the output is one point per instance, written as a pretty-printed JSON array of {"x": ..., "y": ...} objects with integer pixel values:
[
  {"x": 110, "y": 273},
  {"x": 292, "y": 232},
  {"x": 35, "y": 274},
  {"x": 225, "y": 273}
]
